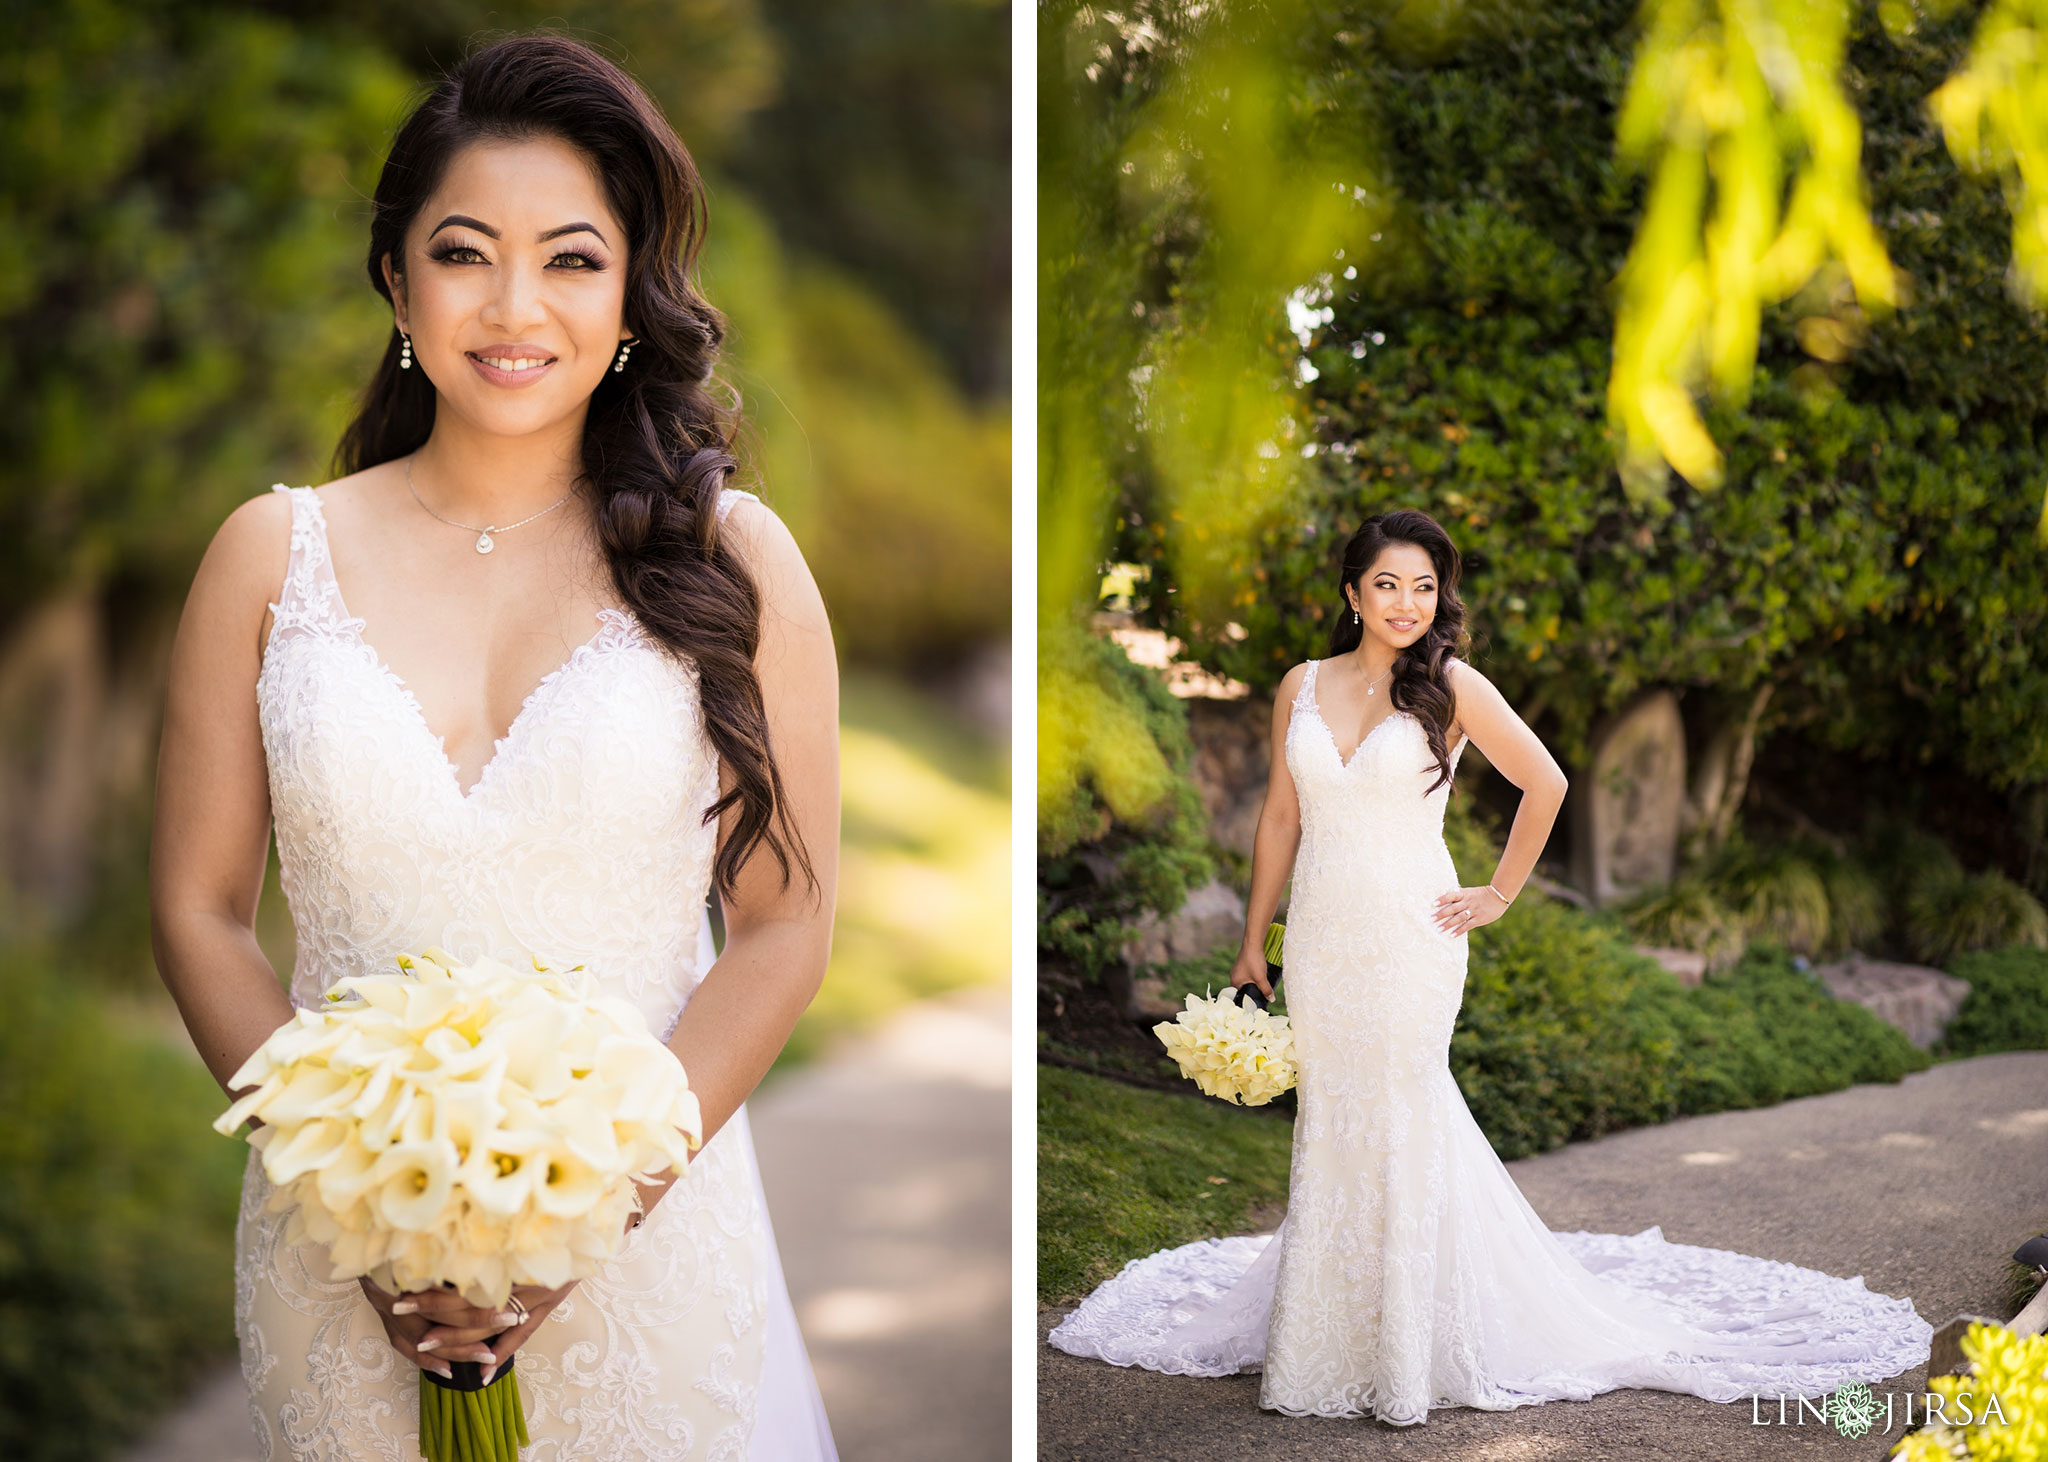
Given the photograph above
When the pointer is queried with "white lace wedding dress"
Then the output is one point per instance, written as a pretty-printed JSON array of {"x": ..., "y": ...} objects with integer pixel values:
[
  {"x": 1409, "y": 1272},
  {"x": 583, "y": 843}
]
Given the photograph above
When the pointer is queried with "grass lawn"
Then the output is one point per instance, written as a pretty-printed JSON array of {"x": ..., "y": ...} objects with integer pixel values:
[{"x": 1123, "y": 1171}]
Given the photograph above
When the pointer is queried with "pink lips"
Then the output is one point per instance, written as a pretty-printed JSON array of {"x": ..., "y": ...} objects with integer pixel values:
[{"x": 499, "y": 377}]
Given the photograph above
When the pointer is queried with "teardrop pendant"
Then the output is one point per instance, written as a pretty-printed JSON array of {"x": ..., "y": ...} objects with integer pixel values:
[{"x": 483, "y": 543}]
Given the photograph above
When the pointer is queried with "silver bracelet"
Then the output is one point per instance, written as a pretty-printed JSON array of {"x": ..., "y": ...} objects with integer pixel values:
[{"x": 1501, "y": 896}]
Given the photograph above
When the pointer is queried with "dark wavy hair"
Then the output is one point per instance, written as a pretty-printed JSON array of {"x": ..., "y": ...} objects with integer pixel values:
[
  {"x": 1420, "y": 683},
  {"x": 657, "y": 445}
]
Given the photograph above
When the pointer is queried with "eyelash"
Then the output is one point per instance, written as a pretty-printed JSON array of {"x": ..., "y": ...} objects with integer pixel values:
[
  {"x": 1419, "y": 588},
  {"x": 590, "y": 262}
]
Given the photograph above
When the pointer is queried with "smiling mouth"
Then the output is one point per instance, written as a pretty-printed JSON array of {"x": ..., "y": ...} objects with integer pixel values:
[{"x": 505, "y": 363}]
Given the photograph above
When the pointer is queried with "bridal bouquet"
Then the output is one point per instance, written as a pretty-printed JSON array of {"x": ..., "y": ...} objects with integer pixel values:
[
  {"x": 1241, "y": 1053},
  {"x": 466, "y": 1125}
]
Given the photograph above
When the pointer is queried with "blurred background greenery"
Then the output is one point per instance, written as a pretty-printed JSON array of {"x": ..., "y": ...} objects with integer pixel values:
[
  {"x": 1713, "y": 332},
  {"x": 185, "y": 188}
]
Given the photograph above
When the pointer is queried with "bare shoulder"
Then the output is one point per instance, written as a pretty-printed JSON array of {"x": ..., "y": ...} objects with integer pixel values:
[
  {"x": 765, "y": 545},
  {"x": 1468, "y": 687},
  {"x": 250, "y": 549},
  {"x": 757, "y": 530},
  {"x": 1463, "y": 676},
  {"x": 240, "y": 574}
]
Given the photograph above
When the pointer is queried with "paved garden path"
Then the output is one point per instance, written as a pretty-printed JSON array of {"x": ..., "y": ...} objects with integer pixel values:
[
  {"x": 887, "y": 1166},
  {"x": 1924, "y": 1188}
]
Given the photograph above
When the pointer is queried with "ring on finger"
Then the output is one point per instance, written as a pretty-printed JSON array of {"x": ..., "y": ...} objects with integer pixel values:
[{"x": 518, "y": 1308}]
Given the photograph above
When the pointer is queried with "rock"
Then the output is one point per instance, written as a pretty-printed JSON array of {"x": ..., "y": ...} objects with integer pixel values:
[
  {"x": 1212, "y": 915},
  {"x": 1689, "y": 965},
  {"x": 1919, "y": 1000},
  {"x": 1233, "y": 755},
  {"x": 1626, "y": 808}
]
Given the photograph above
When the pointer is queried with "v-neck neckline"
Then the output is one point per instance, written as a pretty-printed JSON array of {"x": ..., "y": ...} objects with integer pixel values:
[
  {"x": 1315, "y": 705},
  {"x": 499, "y": 747}
]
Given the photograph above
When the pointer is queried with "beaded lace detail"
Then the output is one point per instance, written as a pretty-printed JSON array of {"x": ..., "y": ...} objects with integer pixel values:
[
  {"x": 582, "y": 842},
  {"x": 1410, "y": 1272}
]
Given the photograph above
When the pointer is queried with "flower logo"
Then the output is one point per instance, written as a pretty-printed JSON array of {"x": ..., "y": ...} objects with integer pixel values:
[{"x": 1852, "y": 1410}]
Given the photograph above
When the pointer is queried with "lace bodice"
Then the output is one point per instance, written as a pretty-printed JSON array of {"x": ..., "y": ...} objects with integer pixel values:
[{"x": 583, "y": 842}]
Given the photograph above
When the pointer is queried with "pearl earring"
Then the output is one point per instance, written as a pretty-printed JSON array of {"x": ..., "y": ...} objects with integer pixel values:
[
  {"x": 620, "y": 364},
  {"x": 405, "y": 355}
]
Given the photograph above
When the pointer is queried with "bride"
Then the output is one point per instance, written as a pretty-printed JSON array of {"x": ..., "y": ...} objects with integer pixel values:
[
  {"x": 528, "y": 681},
  {"x": 1409, "y": 1272}
]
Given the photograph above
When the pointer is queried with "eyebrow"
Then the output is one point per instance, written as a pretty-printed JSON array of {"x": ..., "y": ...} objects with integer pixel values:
[{"x": 483, "y": 228}]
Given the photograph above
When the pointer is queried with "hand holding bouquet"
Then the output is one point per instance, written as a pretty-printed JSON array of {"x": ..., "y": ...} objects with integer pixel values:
[
  {"x": 473, "y": 1127},
  {"x": 1239, "y": 1052}
]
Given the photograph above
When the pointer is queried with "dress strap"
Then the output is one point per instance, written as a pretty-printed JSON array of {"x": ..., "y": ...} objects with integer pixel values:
[
  {"x": 1306, "y": 695},
  {"x": 310, "y": 597},
  {"x": 730, "y": 495}
]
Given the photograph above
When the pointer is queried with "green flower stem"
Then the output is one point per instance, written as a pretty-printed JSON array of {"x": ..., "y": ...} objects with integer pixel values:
[{"x": 494, "y": 1412}]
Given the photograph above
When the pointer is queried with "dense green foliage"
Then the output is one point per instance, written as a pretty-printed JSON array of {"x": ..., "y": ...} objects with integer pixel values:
[
  {"x": 1131, "y": 837},
  {"x": 117, "y": 1204},
  {"x": 887, "y": 149},
  {"x": 2007, "y": 1007},
  {"x": 1871, "y": 553},
  {"x": 182, "y": 301}
]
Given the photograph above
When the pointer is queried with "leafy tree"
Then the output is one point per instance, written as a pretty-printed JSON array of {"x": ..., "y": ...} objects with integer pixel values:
[
  {"x": 886, "y": 149},
  {"x": 1868, "y": 558}
]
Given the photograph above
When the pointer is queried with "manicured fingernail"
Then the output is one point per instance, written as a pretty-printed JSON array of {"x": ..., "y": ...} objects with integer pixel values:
[
  {"x": 426, "y": 1345},
  {"x": 489, "y": 1371},
  {"x": 404, "y": 1307},
  {"x": 443, "y": 1372},
  {"x": 505, "y": 1317}
]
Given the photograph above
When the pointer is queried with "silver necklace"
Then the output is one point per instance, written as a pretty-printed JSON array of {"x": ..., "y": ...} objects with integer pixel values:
[
  {"x": 1377, "y": 679},
  {"x": 483, "y": 535}
]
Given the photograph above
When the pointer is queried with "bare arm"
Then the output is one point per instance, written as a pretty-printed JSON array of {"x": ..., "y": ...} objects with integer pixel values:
[
  {"x": 1274, "y": 845},
  {"x": 1518, "y": 754},
  {"x": 212, "y": 829},
  {"x": 777, "y": 939}
]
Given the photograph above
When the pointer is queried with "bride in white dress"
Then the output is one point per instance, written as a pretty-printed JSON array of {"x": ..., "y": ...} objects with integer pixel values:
[
  {"x": 1409, "y": 1272},
  {"x": 528, "y": 681}
]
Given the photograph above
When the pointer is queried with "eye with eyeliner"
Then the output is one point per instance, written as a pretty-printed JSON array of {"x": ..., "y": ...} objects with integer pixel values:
[{"x": 445, "y": 252}]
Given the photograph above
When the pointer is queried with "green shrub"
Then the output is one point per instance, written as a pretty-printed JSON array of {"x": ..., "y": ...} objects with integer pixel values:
[
  {"x": 1858, "y": 913},
  {"x": 117, "y": 1212},
  {"x": 1686, "y": 914},
  {"x": 2007, "y": 1007},
  {"x": 1542, "y": 1049},
  {"x": 1107, "y": 851},
  {"x": 1777, "y": 893},
  {"x": 1766, "y": 1032},
  {"x": 1951, "y": 914}
]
